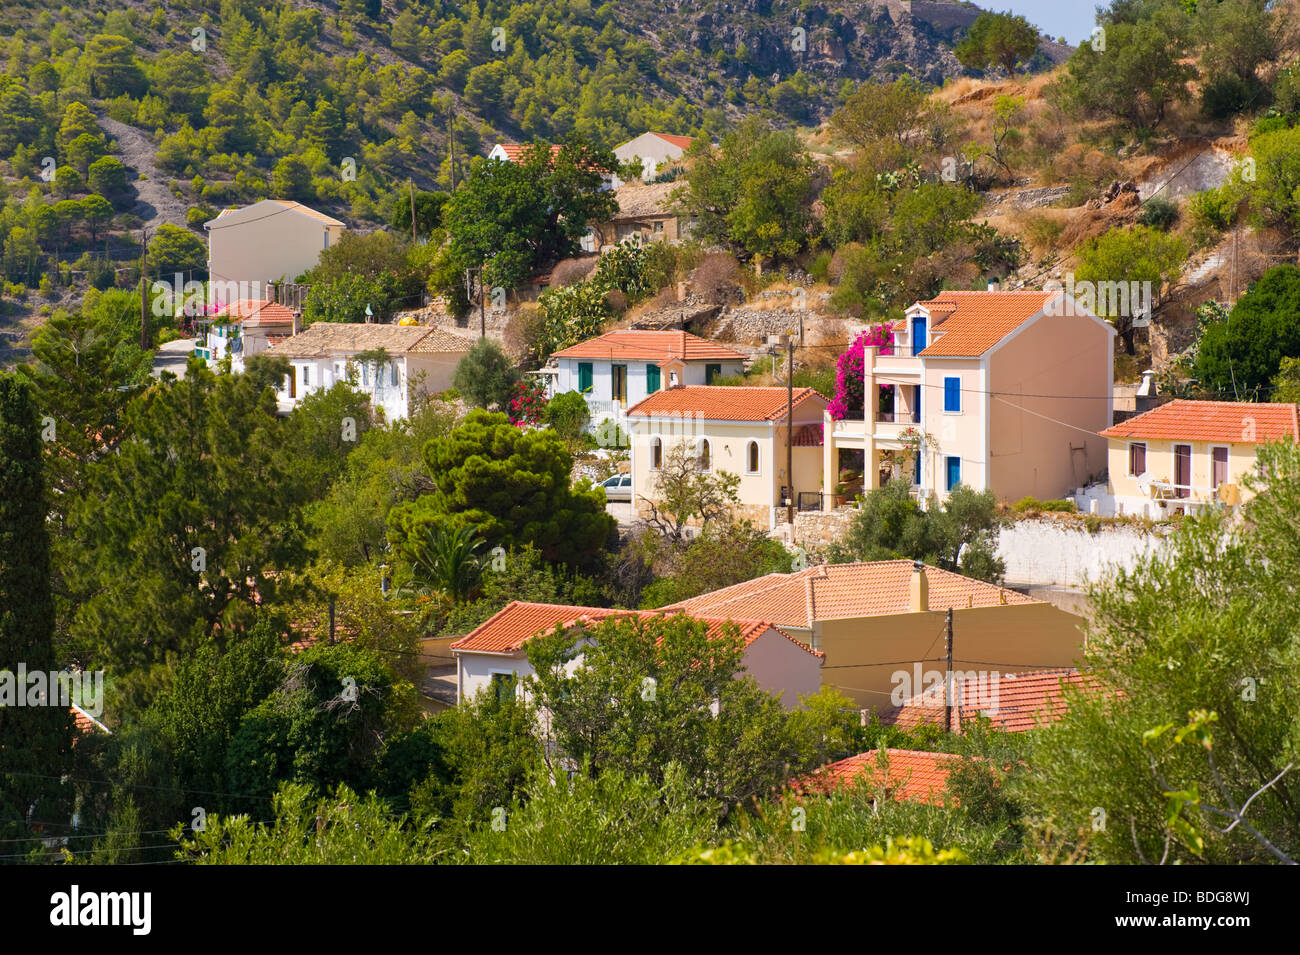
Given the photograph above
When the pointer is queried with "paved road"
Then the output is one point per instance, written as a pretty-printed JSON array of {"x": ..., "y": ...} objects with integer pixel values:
[{"x": 172, "y": 357}]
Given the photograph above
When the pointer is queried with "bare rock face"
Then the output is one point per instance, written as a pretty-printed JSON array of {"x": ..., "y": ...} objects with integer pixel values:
[{"x": 872, "y": 39}]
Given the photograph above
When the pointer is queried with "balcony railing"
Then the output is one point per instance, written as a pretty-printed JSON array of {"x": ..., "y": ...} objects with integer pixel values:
[
  {"x": 602, "y": 408},
  {"x": 898, "y": 417}
]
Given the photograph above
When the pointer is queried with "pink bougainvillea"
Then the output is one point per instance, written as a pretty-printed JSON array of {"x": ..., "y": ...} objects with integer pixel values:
[
  {"x": 849, "y": 371},
  {"x": 527, "y": 403}
]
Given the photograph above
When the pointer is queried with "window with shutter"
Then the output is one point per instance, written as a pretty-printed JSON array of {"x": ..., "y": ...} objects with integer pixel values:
[
  {"x": 585, "y": 379},
  {"x": 952, "y": 394}
]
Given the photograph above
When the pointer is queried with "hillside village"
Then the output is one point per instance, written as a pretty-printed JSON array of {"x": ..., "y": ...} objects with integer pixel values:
[{"x": 925, "y": 466}]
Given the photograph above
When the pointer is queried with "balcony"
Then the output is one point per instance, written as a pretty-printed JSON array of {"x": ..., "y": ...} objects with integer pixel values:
[{"x": 602, "y": 408}]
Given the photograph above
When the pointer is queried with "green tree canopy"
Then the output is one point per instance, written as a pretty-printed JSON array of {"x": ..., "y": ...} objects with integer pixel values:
[
  {"x": 997, "y": 39},
  {"x": 513, "y": 486},
  {"x": 1243, "y": 353}
]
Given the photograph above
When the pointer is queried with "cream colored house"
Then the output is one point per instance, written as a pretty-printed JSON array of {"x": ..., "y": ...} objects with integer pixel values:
[
  {"x": 1185, "y": 455},
  {"x": 269, "y": 241},
  {"x": 244, "y": 328},
  {"x": 737, "y": 429},
  {"x": 417, "y": 360},
  {"x": 994, "y": 390},
  {"x": 881, "y": 625},
  {"x": 493, "y": 658}
]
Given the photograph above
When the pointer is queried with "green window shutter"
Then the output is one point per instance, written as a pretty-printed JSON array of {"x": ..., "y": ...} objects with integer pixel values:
[
  {"x": 584, "y": 376},
  {"x": 652, "y": 383}
]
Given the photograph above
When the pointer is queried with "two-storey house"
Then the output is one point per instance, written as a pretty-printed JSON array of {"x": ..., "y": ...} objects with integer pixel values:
[{"x": 992, "y": 390}]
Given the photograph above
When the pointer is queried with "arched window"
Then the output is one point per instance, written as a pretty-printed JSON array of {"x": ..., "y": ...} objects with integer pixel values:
[
  {"x": 656, "y": 454},
  {"x": 751, "y": 458},
  {"x": 706, "y": 455}
]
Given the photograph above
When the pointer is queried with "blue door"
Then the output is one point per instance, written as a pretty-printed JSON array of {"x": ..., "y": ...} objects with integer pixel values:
[
  {"x": 954, "y": 472},
  {"x": 918, "y": 334},
  {"x": 916, "y": 404}
]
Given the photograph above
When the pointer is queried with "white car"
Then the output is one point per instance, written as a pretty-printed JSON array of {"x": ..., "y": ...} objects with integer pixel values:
[{"x": 618, "y": 488}]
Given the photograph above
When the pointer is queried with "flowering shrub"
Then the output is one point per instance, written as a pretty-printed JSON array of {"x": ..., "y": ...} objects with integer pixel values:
[
  {"x": 848, "y": 401},
  {"x": 528, "y": 402}
]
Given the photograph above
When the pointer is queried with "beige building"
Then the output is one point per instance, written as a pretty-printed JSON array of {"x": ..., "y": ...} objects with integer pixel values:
[
  {"x": 644, "y": 215},
  {"x": 882, "y": 625},
  {"x": 493, "y": 657},
  {"x": 417, "y": 359},
  {"x": 270, "y": 241},
  {"x": 993, "y": 390},
  {"x": 741, "y": 430},
  {"x": 1185, "y": 455}
]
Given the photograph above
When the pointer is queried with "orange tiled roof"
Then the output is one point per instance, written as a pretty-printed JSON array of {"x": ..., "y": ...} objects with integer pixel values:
[
  {"x": 85, "y": 724},
  {"x": 1016, "y": 702},
  {"x": 253, "y": 311},
  {"x": 723, "y": 403},
  {"x": 650, "y": 346},
  {"x": 839, "y": 591},
  {"x": 681, "y": 142},
  {"x": 1228, "y": 422},
  {"x": 913, "y": 775},
  {"x": 518, "y": 622},
  {"x": 514, "y": 151},
  {"x": 976, "y": 321}
]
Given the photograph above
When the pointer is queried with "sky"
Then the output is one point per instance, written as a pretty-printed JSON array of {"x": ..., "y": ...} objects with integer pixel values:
[{"x": 1072, "y": 19}]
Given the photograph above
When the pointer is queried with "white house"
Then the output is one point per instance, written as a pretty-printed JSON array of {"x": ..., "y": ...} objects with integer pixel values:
[
  {"x": 513, "y": 152},
  {"x": 415, "y": 360},
  {"x": 243, "y": 328},
  {"x": 268, "y": 241},
  {"x": 620, "y": 368},
  {"x": 492, "y": 658},
  {"x": 655, "y": 150}
]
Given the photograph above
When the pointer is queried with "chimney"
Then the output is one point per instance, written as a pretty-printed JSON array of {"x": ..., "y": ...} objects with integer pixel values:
[
  {"x": 920, "y": 588},
  {"x": 993, "y": 284},
  {"x": 1148, "y": 386}
]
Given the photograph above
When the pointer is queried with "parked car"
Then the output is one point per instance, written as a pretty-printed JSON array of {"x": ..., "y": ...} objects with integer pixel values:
[{"x": 618, "y": 488}]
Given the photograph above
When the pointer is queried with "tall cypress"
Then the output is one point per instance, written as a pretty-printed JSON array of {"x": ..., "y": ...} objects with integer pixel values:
[{"x": 35, "y": 741}]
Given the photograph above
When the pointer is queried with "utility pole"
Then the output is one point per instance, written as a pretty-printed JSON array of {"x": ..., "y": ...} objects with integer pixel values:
[
  {"x": 470, "y": 273},
  {"x": 144, "y": 290},
  {"x": 331, "y": 621},
  {"x": 411, "y": 185},
  {"x": 947, "y": 679},
  {"x": 789, "y": 430},
  {"x": 451, "y": 144}
]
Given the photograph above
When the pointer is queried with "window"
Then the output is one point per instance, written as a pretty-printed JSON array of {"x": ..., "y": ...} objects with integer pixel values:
[
  {"x": 392, "y": 373},
  {"x": 1137, "y": 459},
  {"x": 952, "y": 394},
  {"x": 916, "y": 470},
  {"x": 503, "y": 686},
  {"x": 954, "y": 472},
  {"x": 659, "y": 226},
  {"x": 652, "y": 381},
  {"x": 918, "y": 334},
  {"x": 618, "y": 384},
  {"x": 1182, "y": 470},
  {"x": 327, "y": 238},
  {"x": 306, "y": 375},
  {"x": 1218, "y": 467},
  {"x": 656, "y": 454},
  {"x": 365, "y": 373},
  {"x": 751, "y": 458},
  {"x": 584, "y": 377},
  {"x": 706, "y": 455},
  {"x": 711, "y": 372}
]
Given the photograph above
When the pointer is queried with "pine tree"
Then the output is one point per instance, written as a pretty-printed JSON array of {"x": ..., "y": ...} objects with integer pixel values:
[{"x": 35, "y": 741}]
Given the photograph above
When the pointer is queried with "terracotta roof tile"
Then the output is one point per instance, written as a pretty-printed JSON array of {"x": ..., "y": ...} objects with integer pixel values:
[
  {"x": 1015, "y": 702},
  {"x": 515, "y": 151},
  {"x": 681, "y": 142},
  {"x": 251, "y": 312},
  {"x": 650, "y": 346},
  {"x": 518, "y": 622},
  {"x": 724, "y": 403},
  {"x": 839, "y": 591},
  {"x": 913, "y": 775},
  {"x": 1228, "y": 422},
  {"x": 976, "y": 321},
  {"x": 331, "y": 338}
]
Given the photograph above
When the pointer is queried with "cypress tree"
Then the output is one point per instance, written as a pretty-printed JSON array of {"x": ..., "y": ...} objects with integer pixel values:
[{"x": 35, "y": 741}]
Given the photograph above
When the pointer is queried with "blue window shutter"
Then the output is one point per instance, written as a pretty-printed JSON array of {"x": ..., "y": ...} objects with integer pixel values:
[
  {"x": 952, "y": 394},
  {"x": 918, "y": 334},
  {"x": 651, "y": 379},
  {"x": 954, "y": 472}
]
